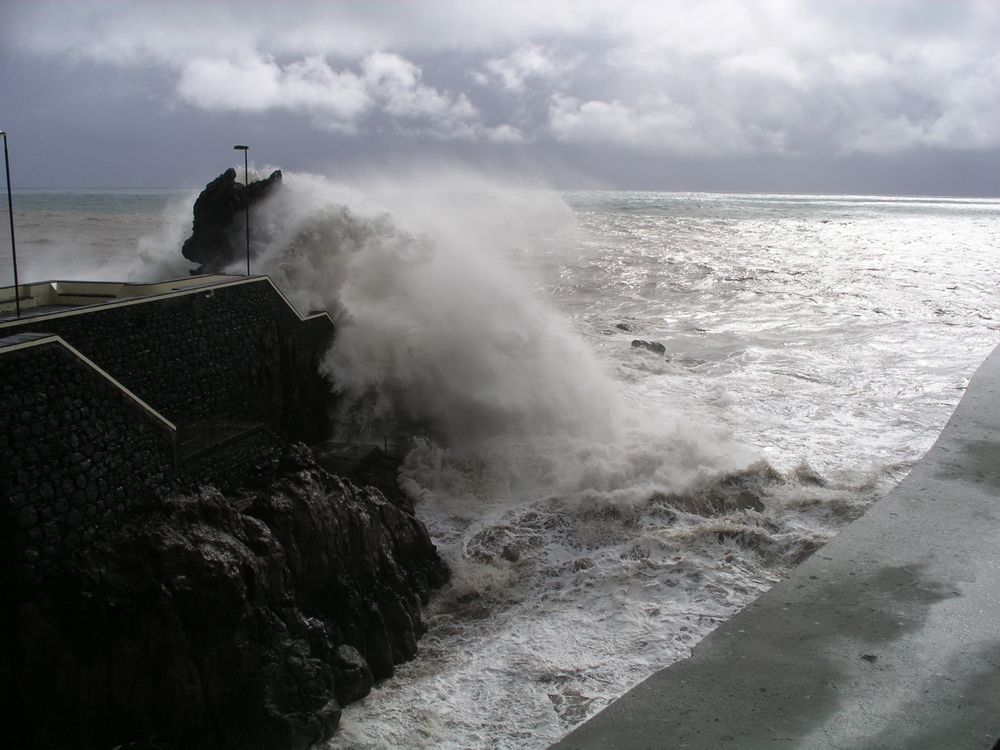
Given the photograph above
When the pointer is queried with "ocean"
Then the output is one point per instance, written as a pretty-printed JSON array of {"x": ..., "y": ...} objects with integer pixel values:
[{"x": 602, "y": 504}]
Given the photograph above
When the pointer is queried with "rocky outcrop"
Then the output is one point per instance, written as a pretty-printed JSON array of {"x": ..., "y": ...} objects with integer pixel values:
[
  {"x": 218, "y": 237},
  {"x": 650, "y": 346},
  {"x": 201, "y": 626}
]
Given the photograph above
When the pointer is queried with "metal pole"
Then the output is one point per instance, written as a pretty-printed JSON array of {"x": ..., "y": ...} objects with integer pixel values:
[
  {"x": 246, "y": 186},
  {"x": 10, "y": 215}
]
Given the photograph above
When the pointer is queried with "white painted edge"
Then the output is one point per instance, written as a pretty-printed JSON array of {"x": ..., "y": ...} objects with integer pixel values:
[{"x": 200, "y": 289}]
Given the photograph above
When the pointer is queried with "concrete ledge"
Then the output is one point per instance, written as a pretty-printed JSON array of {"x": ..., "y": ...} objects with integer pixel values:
[
  {"x": 62, "y": 298},
  {"x": 888, "y": 637}
]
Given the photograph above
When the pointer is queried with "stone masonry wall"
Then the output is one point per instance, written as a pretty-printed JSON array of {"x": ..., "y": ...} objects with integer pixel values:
[
  {"x": 76, "y": 458},
  {"x": 227, "y": 352},
  {"x": 79, "y": 456}
]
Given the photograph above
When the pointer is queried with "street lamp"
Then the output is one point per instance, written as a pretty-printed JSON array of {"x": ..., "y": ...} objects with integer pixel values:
[
  {"x": 10, "y": 215},
  {"x": 246, "y": 185}
]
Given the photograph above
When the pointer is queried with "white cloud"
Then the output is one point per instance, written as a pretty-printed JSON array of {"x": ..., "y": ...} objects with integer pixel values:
[
  {"x": 660, "y": 125},
  {"x": 574, "y": 121},
  {"x": 673, "y": 76},
  {"x": 337, "y": 99},
  {"x": 396, "y": 81},
  {"x": 734, "y": 77},
  {"x": 526, "y": 62},
  {"x": 505, "y": 134},
  {"x": 258, "y": 84},
  {"x": 125, "y": 31}
]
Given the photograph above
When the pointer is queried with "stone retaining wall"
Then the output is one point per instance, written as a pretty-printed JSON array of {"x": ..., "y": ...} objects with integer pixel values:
[
  {"x": 88, "y": 431},
  {"x": 232, "y": 351},
  {"x": 76, "y": 457}
]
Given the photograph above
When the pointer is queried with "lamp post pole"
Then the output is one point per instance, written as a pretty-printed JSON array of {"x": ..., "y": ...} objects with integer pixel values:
[
  {"x": 246, "y": 185},
  {"x": 10, "y": 216}
]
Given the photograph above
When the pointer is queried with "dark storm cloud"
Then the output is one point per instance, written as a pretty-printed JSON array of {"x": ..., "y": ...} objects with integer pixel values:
[{"x": 729, "y": 80}]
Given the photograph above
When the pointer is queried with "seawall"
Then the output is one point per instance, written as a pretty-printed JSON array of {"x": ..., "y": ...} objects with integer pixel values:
[
  {"x": 112, "y": 393},
  {"x": 176, "y": 569},
  {"x": 887, "y": 637}
]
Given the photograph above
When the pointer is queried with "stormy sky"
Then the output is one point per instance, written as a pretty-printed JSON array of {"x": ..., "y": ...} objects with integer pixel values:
[{"x": 841, "y": 96}]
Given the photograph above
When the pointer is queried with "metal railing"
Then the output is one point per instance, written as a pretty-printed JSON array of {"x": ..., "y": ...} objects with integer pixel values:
[{"x": 396, "y": 446}]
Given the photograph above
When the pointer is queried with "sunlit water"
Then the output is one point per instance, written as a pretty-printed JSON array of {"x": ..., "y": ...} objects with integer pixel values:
[{"x": 601, "y": 506}]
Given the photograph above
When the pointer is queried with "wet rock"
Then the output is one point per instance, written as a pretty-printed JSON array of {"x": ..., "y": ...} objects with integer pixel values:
[
  {"x": 354, "y": 678},
  {"x": 218, "y": 237},
  {"x": 200, "y": 626},
  {"x": 651, "y": 346}
]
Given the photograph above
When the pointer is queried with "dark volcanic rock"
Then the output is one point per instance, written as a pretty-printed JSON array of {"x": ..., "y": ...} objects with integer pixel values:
[
  {"x": 199, "y": 626},
  {"x": 218, "y": 237},
  {"x": 652, "y": 346}
]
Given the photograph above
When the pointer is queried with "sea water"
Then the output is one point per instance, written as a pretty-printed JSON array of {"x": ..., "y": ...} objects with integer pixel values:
[
  {"x": 94, "y": 234},
  {"x": 602, "y": 506}
]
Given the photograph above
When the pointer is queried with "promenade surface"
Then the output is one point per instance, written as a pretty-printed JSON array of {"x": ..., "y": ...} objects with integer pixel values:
[{"x": 887, "y": 637}]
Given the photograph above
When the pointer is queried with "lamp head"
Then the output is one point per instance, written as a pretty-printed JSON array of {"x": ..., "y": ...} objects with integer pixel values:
[{"x": 241, "y": 148}]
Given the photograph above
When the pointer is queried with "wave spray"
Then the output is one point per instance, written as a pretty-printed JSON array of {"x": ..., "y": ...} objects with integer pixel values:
[{"x": 592, "y": 536}]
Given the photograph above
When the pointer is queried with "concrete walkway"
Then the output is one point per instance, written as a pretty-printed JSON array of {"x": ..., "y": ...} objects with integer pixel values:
[{"x": 888, "y": 637}]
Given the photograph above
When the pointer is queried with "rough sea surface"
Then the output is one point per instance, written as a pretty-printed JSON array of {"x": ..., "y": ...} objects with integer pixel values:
[{"x": 602, "y": 506}]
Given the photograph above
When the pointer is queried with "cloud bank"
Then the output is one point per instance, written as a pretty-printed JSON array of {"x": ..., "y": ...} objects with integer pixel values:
[{"x": 701, "y": 78}]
